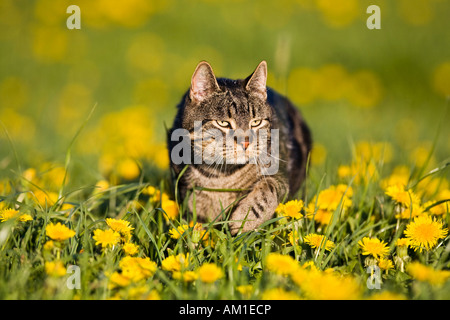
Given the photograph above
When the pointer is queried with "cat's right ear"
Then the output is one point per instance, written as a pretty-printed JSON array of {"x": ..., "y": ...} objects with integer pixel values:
[{"x": 203, "y": 82}]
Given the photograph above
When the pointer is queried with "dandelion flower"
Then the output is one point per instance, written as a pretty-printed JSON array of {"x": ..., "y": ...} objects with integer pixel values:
[
  {"x": 128, "y": 169},
  {"x": 209, "y": 273},
  {"x": 130, "y": 248},
  {"x": 245, "y": 290},
  {"x": 175, "y": 263},
  {"x": 319, "y": 285},
  {"x": 321, "y": 216},
  {"x": 401, "y": 196},
  {"x": 137, "y": 269},
  {"x": 385, "y": 264},
  {"x": 55, "y": 268},
  {"x": 402, "y": 242},
  {"x": 424, "y": 273},
  {"x": 437, "y": 209},
  {"x": 7, "y": 214},
  {"x": 49, "y": 245},
  {"x": 317, "y": 241},
  {"x": 121, "y": 226},
  {"x": 410, "y": 212},
  {"x": 281, "y": 264},
  {"x": 402, "y": 247},
  {"x": 329, "y": 199},
  {"x": 59, "y": 232},
  {"x": 424, "y": 232},
  {"x": 198, "y": 233},
  {"x": 118, "y": 280},
  {"x": 186, "y": 276},
  {"x": 386, "y": 295},
  {"x": 106, "y": 238},
  {"x": 176, "y": 233},
  {"x": 373, "y": 246},
  {"x": 170, "y": 208},
  {"x": 279, "y": 294},
  {"x": 25, "y": 217},
  {"x": 292, "y": 209}
]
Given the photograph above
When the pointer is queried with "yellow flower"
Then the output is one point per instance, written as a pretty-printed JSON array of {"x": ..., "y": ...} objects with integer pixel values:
[
  {"x": 137, "y": 269},
  {"x": 400, "y": 176},
  {"x": 128, "y": 169},
  {"x": 209, "y": 273},
  {"x": 344, "y": 171},
  {"x": 293, "y": 237},
  {"x": 321, "y": 216},
  {"x": 7, "y": 214},
  {"x": 121, "y": 226},
  {"x": 100, "y": 187},
  {"x": 403, "y": 197},
  {"x": 186, "y": 276},
  {"x": 424, "y": 232},
  {"x": 106, "y": 238},
  {"x": 374, "y": 247},
  {"x": 386, "y": 295},
  {"x": 411, "y": 212},
  {"x": 279, "y": 294},
  {"x": 329, "y": 286},
  {"x": 402, "y": 242},
  {"x": 49, "y": 245},
  {"x": 176, "y": 233},
  {"x": 198, "y": 233},
  {"x": 170, "y": 208},
  {"x": 292, "y": 209},
  {"x": 245, "y": 290},
  {"x": 25, "y": 217},
  {"x": 130, "y": 248},
  {"x": 118, "y": 280},
  {"x": 59, "y": 232},
  {"x": 155, "y": 194},
  {"x": 55, "y": 268},
  {"x": 317, "y": 241},
  {"x": 437, "y": 209},
  {"x": 424, "y": 273},
  {"x": 45, "y": 198},
  {"x": 329, "y": 199},
  {"x": 385, "y": 264},
  {"x": 175, "y": 263},
  {"x": 281, "y": 264}
]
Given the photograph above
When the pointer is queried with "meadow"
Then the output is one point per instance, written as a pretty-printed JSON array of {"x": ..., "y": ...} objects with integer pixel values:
[{"x": 87, "y": 203}]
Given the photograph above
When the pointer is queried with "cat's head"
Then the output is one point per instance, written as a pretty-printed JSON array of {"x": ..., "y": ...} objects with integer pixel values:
[{"x": 235, "y": 116}]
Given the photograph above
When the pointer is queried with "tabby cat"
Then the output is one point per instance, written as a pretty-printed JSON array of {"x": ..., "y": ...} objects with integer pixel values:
[{"x": 210, "y": 112}]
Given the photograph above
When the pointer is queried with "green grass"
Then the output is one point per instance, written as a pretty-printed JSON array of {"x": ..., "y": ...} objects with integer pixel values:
[
  {"x": 55, "y": 145},
  {"x": 242, "y": 258}
]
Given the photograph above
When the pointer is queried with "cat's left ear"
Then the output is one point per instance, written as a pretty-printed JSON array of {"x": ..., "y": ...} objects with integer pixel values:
[{"x": 256, "y": 83}]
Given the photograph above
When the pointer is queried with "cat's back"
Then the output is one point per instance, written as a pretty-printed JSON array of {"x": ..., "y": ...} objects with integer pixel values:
[{"x": 297, "y": 135}]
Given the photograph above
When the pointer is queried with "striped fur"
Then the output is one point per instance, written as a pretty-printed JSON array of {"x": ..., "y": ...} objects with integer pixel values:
[{"x": 238, "y": 103}]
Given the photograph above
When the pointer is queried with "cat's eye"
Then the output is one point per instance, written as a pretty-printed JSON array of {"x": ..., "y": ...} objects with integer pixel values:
[
  {"x": 255, "y": 123},
  {"x": 224, "y": 124}
]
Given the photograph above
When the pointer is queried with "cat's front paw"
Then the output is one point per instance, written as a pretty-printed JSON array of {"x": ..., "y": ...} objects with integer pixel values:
[{"x": 245, "y": 218}]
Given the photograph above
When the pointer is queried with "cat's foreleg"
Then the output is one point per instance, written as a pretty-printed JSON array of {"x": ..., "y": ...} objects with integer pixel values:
[{"x": 259, "y": 205}]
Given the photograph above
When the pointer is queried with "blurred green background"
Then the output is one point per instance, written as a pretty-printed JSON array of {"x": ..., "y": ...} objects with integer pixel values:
[{"x": 133, "y": 60}]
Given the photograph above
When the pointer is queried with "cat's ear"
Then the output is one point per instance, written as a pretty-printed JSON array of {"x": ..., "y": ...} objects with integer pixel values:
[
  {"x": 256, "y": 83},
  {"x": 203, "y": 82}
]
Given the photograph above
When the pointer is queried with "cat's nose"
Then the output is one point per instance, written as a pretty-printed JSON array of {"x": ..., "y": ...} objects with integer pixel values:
[{"x": 245, "y": 143}]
